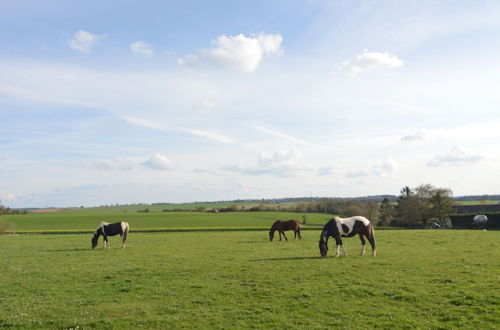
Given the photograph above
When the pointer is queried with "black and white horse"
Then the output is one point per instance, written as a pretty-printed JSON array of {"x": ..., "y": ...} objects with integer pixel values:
[
  {"x": 110, "y": 229},
  {"x": 347, "y": 227}
]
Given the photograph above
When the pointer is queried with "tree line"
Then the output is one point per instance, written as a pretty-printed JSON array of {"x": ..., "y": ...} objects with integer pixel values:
[{"x": 413, "y": 207}]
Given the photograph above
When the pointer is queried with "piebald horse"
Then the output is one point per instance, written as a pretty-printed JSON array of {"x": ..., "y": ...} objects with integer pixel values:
[
  {"x": 347, "y": 227},
  {"x": 110, "y": 229},
  {"x": 281, "y": 226}
]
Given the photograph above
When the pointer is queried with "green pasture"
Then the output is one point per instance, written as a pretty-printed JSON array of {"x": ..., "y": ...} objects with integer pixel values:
[
  {"x": 77, "y": 219},
  {"x": 421, "y": 279}
]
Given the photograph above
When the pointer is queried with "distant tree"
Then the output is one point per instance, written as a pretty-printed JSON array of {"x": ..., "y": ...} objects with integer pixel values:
[
  {"x": 371, "y": 211},
  {"x": 423, "y": 203},
  {"x": 441, "y": 203},
  {"x": 386, "y": 212},
  {"x": 424, "y": 193},
  {"x": 408, "y": 208}
]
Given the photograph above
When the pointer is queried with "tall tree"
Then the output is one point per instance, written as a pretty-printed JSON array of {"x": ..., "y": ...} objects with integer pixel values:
[
  {"x": 386, "y": 212},
  {"x": 408, "y": 208},
  {"x": 442, "y": 203},
  {"x": 423, "y": 193}
]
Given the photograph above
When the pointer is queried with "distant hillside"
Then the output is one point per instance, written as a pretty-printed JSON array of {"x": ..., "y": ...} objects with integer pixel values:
[{"x": 477, "y": 198}]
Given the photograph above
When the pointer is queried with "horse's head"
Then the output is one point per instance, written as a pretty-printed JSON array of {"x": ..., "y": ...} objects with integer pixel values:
[
  {"x": 94, "y": 241},
  {"x": 323, "y": 247},
  {"x": 273, "y": 229}
]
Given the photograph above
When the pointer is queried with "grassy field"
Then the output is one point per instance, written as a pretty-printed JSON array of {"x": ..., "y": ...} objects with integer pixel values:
[
  {"x": 88, "y": 219},
  {"x": 422, "y": 279}
]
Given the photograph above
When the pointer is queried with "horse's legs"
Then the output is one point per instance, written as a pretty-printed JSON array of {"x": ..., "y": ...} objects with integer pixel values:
[
  {"x": 343, "y": 250},
  {"x": 298, "y": 232},
  {"x": 339, "y": 244},
  {"x": 279, "y": 232},
  {"x": 105, "y": 242},
  {"x": 286, "y": 239},
  {"x": 363, "y": 244}
]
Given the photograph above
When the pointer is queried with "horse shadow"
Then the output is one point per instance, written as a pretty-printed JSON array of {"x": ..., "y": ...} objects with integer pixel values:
[
  {"x": 68, "y": 250},
  {"x": 288, "y": 258}
]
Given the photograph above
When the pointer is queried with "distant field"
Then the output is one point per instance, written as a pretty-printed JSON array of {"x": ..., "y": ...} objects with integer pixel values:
[
  {"x": 421, "y": 279},
  {"x": 89, "y": 219},
  {"x": 484, "y": 202},
  {"x": 170, "y": 207}
]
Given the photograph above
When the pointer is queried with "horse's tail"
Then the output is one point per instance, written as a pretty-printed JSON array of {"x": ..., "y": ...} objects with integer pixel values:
[
  {"x": 125, "y": 228},
  {"x": 371, "y": 238}
]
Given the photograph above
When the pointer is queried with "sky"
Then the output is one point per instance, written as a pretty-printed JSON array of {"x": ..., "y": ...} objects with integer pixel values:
[{"x": 105, "y": 102}]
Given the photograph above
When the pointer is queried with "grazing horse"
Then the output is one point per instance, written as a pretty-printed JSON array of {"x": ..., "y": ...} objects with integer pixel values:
[
  {"x": 110, "y": 229},
  {"x": 281, "y": 226},
  {"x": 347, "y": 227}
]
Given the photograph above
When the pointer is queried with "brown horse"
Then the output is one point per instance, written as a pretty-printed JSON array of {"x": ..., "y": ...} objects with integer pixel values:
[{"x": 282, "y": 226}]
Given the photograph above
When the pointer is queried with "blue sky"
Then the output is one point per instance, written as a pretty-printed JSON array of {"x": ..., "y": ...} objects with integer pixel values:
[{"x": 105, "y": 102}]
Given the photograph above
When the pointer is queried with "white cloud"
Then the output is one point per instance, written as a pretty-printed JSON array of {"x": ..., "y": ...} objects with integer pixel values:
[
  {"x": 369, "y": 60},
  {"x": 208, "y": 135},
  {"x": 281, "y": 135},
  {"x": 111, "y": 164},
  {"x": 279, "y": 157},
  {"x": 158, "y": 162},
  {"x": 207, "y": 104},
  {"x": 385, "y": 169},
  {"x": 416, "y": 136},
  {"x": 8, "y": 197},
  {"x": 83, "y": 41},
  {"x": 213, "y": 136},
  {"x": 454, "y": 157},
  {"x": 278, "y": 163},
  {"x": 239, "y": 53},
  {"x": 141, "y": 48}
]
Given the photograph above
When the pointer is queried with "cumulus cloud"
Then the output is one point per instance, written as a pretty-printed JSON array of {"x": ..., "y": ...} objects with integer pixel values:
[
  {"x": 8, "y": 197},
  {"x": 369, "y": 60},
  {"x": 455, "y": 156},
  {"x": 415, "y": 136},
  {"x": 83, "y": 41},
  {"x": 385, "y": 169},
  {"x": 279, "y": 157},
  {"x": 141, "y": 48},
  {"x": 239, "y": 53},
  {"x": 158, "y": 162},
  {"x": 279, "y": 163}
]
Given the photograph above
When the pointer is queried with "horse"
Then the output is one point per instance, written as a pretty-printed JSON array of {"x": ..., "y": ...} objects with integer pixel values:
[
  {"x": 110, "y": 229},
  {"x": 281, "y": 226},
  {"x": 347, "y": 227}
]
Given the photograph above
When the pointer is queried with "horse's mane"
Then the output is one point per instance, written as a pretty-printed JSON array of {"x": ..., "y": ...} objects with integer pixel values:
[{"x": 104, "y": 223}]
